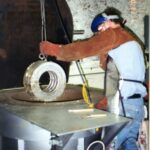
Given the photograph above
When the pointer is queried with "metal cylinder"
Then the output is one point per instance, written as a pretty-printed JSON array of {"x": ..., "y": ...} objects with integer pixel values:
[{"x": 55, "y": 80}]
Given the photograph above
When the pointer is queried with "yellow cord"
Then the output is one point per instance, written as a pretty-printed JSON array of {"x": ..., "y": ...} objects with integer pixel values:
[
  {"x": 87, "y": 100},
  {"x": 85, "y": 96}
]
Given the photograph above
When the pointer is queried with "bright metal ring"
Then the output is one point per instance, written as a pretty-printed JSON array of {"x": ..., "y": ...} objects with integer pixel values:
[
  {"x": 44, "y": 92},
  {"x": 42, "y": 56}
]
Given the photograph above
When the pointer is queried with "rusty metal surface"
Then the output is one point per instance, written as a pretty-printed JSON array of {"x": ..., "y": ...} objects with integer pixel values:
[
  {"x": 56, "y": 117},
  {"x": 71, "y": 93}
]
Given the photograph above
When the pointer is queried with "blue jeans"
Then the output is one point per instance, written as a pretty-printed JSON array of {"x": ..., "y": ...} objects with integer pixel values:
[{"x": 134, "y": 109}]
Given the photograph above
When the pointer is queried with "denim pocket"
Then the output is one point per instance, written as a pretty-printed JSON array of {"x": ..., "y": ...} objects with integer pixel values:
[{"x": 134, "y": 109}]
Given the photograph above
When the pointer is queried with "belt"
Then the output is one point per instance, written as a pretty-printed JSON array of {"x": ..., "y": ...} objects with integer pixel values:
[
  {"x": 135, "y": 96},
  {"x": 130, "y": 80}
]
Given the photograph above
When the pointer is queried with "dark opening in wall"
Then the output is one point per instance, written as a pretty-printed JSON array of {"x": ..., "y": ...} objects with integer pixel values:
[{"x": 20, "y": 34}]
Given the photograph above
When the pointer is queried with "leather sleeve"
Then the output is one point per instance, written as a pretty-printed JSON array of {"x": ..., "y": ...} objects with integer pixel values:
[{"x": 98, "y": 45}]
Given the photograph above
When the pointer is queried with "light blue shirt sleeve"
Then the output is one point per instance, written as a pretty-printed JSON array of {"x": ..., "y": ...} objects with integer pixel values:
[{"x": 129, "y": 60}]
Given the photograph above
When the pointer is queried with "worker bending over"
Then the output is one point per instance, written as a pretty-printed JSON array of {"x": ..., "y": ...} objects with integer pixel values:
[{"x": 121, "y": 56}]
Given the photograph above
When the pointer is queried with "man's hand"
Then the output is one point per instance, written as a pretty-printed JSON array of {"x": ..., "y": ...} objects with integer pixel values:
[
  {"x": 49, "y": 48},
  {"x": 102, "y": 104}
]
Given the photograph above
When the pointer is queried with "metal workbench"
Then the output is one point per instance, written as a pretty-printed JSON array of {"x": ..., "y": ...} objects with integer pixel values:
[{"x": 43, "y": 125}]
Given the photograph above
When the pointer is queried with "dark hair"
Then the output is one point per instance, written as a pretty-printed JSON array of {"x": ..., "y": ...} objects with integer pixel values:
[
  {"x": 109, "y": 13},
  {"x": 113, "y": 11}
]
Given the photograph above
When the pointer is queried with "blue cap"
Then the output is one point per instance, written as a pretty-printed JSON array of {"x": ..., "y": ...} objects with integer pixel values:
[{"x": 96, "y": 22}]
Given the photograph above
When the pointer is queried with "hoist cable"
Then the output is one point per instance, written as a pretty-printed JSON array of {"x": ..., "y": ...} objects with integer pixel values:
[
  {"x": 43, "y": 19},
  {"x": 42, "y": 56}
]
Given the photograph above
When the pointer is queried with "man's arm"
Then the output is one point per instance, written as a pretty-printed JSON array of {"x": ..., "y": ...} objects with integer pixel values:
[{"x": 97, "y": 45}]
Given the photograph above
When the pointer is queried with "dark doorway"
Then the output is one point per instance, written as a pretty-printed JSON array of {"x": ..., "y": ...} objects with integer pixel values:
[{"x": 20, "y": 34}]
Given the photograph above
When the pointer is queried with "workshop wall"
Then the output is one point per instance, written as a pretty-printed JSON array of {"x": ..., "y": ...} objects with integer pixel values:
[{"x": 83, "y": 11}]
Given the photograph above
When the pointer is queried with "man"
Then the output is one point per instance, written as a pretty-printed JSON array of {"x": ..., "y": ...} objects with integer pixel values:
[{"x": 121, "y": 54}]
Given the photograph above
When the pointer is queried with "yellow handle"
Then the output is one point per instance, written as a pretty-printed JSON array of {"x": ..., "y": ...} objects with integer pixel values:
[{"x": 85, "y": 95}]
